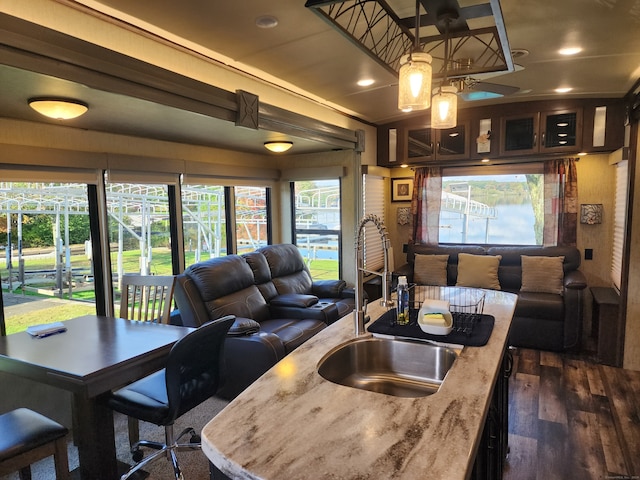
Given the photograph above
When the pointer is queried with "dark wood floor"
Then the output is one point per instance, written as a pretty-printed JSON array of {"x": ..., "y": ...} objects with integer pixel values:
[{"x": 571, "y": 418}]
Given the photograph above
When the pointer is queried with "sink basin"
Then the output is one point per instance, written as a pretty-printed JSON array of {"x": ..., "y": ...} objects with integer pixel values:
[{"x": 394, "y": 367}]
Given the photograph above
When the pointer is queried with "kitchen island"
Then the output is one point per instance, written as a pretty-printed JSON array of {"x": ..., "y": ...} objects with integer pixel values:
[{"x": 293, "y": 424}]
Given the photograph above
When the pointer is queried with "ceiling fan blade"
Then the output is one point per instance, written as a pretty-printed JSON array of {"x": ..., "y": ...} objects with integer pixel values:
[
  {"x": 496, "y": 88},
  {"x": 486, "y": 90}
]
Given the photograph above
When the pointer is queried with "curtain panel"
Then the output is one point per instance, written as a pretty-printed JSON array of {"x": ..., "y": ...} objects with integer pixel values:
[
  {"x": 560, "y": 202},
  {"x": 425, "y": 205}
]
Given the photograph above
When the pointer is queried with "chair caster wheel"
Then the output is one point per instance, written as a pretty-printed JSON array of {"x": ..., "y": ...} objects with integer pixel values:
[
  {"x": 137, "y": 455},
  {"x": 195, "y": 438}
]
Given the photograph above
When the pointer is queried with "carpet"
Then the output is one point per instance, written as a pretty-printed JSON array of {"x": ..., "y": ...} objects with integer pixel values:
[{"x": 194, "y": 464}]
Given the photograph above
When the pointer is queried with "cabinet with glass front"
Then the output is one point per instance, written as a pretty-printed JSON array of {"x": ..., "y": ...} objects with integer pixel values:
[
  {"x": 542, "y": 132},
  {"x": 428, "y": 144}
]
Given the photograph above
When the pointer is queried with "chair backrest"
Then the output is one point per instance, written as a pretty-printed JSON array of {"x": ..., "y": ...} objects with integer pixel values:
[
  {"x": 194, "y": 369},
  {"x": 146, "y": 298}
]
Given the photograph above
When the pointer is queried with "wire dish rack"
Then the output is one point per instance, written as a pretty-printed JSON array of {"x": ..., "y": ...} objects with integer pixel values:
[{"x": 466, "y": 304}]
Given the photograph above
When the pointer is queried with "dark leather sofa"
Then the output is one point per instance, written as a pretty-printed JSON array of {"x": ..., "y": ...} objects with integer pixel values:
[
  {"x": 276, "y": 303},
  {"x": 545, "y": 321}
]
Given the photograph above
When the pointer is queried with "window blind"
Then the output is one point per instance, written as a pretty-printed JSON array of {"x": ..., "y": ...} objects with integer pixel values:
[
  {"x": 619, "y": 220},
  {"x": 373, "y": 189}
]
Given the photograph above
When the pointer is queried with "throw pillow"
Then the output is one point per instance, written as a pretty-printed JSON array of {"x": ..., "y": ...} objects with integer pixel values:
[
  {"x": 430, "y": 269},
  {"x": 480, "y": 271},
  {"x": 542, "y": 274}
]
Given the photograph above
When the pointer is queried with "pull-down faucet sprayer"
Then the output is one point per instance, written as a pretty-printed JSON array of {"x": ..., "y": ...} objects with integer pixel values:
[{"x": 360, "y": 270}]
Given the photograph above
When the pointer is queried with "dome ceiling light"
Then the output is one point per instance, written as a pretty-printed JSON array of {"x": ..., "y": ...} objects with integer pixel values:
[
  {"x": 58, "y": 108},
  {"x": 278, "y": 147}
]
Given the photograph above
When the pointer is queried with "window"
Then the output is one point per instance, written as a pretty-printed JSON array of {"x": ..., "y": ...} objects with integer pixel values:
[
  {"x": 45, "y": 245},
  {"x": 204, "y": 222},
  {"x": 252, "y": 218},
  {"x": 316, "y": 207},
  {"x": 503, "y": 208}
]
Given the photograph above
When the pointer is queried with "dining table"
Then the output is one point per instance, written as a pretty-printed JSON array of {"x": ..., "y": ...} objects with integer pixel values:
[{"x": 91, "y": 357}]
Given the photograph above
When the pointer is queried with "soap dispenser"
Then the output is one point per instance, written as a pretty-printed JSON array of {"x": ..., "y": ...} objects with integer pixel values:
[{"x": 403, "y": 302}]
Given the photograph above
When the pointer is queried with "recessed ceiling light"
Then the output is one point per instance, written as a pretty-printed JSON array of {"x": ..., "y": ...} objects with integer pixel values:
[
  {"x": 266, "y": 21},
  {"x": 582, "y": 154},
  {"x": 366, "y": 82},
  {"x": 569, "y": 51},
  {"x": 563, "y": 89},
  {"x": 485, "y": 160}
]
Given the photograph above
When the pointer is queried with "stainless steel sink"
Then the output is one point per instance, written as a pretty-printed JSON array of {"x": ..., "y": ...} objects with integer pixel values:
[{"x": 394, "y": 367}]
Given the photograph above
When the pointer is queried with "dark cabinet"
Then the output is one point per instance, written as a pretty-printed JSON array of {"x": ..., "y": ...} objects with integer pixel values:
[
  {"x": 427, "y": 144},
  {"x": 494, "y": 446},
  {"x": 542, "y": 132}
]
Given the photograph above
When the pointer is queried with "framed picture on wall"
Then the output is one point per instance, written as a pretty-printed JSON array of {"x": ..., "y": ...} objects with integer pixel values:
[{"x": 401, "y": 189}]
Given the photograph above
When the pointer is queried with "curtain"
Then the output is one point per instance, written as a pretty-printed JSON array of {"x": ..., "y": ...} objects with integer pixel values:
[
  {"x": 560, "y": 202},
  {"x": 425, "y": 205}
]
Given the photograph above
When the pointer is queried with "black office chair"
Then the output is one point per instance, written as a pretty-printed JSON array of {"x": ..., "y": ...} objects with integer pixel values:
[{"x": 191, "y": 376}]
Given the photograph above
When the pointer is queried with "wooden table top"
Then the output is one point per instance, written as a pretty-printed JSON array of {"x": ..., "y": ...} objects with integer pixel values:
[{"x": 94, "y": 355}]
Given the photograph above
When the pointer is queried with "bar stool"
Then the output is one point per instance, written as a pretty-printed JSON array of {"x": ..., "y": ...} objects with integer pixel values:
[{"x": 27, "y": 437}]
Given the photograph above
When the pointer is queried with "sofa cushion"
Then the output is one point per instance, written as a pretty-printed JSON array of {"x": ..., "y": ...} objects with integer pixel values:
[
  {"x": 480, "y": 271},
  {"x": 430, "y": 269},
  {"x": 245, "y": 303},
  {"x": 292, "y": 333},
  {"x": 213, "y": 280},
  {"x": 289, "y": 273},
  {"x": 542, "y": 274}
]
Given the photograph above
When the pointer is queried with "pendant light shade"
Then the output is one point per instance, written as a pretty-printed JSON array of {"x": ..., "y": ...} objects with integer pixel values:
[
  {"x": 444, "y": 107},
  {"x": 58, "y": 108},
  {"x": 415, "y": 82},
  {"x": 278, "y": 147}
]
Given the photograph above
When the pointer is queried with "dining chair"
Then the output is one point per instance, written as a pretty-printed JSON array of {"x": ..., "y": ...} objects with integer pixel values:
[
  {"x": 193, "y": 374},
  {"x": 145, "y": 298},
  {"x": 27, "y": 437}
]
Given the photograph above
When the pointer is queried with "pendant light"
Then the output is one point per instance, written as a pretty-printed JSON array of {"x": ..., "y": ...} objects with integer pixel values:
[
  {"x": 444, "y": 105},
  {"x": 414, "y": 90}
]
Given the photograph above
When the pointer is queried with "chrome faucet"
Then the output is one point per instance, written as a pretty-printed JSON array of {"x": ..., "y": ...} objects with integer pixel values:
[{"x": 360, "y": 312}]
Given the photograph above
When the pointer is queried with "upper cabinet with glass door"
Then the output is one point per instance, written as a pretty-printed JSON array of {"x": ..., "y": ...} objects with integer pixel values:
[
  {"x": 427, "y": 144},
  {"x": 542, "y": 132}
]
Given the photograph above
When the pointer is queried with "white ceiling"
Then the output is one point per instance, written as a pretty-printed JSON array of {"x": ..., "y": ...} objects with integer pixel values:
[{"x": 304, "y": 52}]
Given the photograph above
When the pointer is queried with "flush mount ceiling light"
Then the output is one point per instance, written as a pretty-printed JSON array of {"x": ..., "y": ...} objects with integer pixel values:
[
  {"x": 278, "y": 147},
  {"x": 58, "y": 108},
  {"x": 414, "y": 90}
]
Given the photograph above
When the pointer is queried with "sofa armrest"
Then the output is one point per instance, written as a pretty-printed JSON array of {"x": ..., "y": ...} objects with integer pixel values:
[
  {"x": 574, "y": 284},
  {"x": 348, "y": 292},
  {"x": 298, "y": 300},
  {"x": 243, "y": 326},
  {"x": 246, "y": 358},
  {"x": 328, "y": 288},
  {"x": 575, "y": 279}
]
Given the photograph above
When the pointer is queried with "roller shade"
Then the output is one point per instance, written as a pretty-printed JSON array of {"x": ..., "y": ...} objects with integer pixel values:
[
  {"x": 373, "y": 204},
  {"x": 619, "y": 220}
]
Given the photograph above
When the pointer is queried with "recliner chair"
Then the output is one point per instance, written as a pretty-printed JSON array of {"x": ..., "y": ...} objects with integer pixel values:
[{"x": 192, "y": 375}]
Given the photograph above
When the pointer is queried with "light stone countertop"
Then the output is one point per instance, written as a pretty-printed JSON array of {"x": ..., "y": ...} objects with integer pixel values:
[{"x": 293, "y": 424}]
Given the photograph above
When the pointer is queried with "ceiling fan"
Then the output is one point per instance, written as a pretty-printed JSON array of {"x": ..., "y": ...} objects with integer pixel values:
[{"x": 472, "y": 88}]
